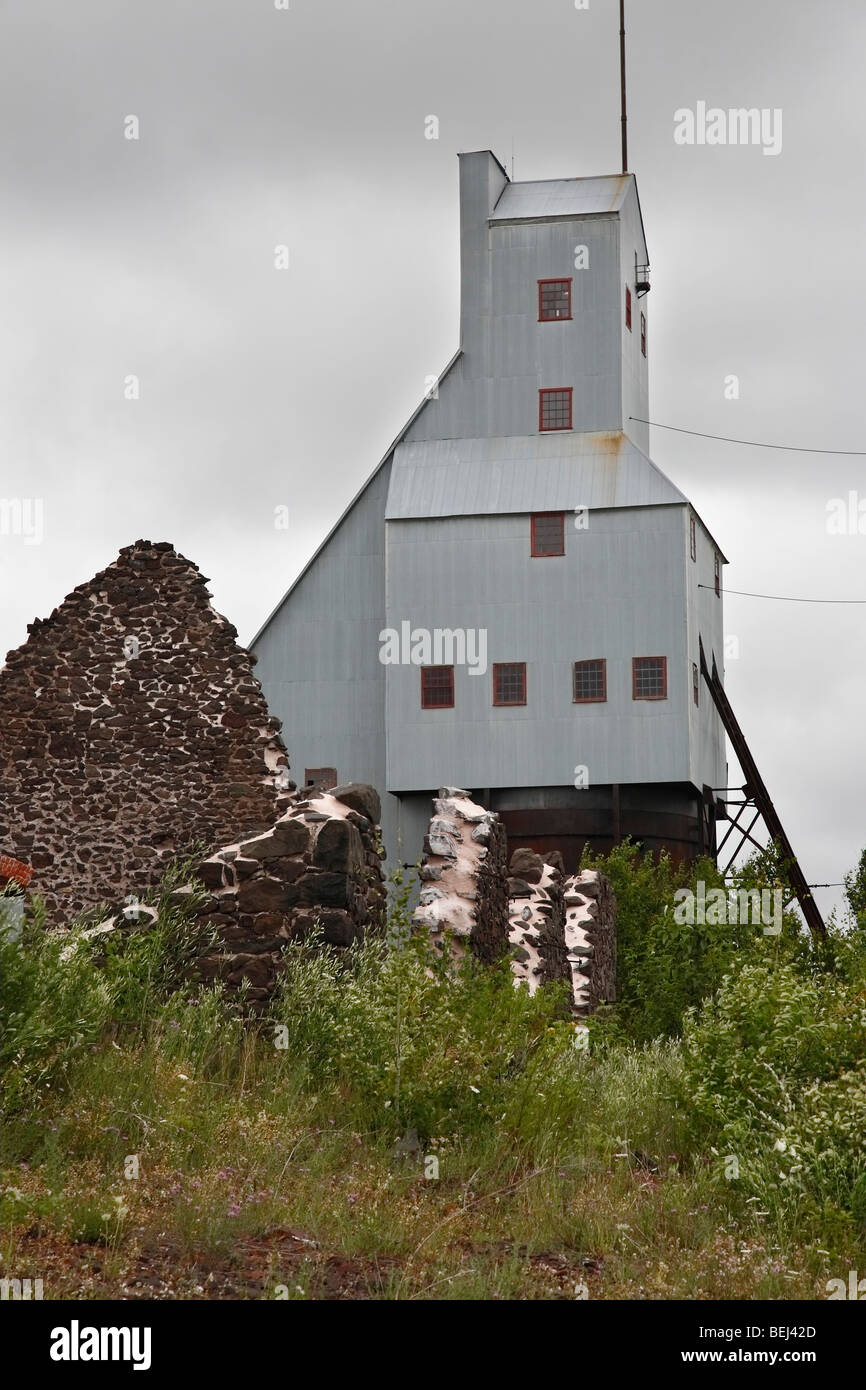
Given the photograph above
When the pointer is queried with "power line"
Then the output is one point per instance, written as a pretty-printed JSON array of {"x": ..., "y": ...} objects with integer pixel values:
[
  {"x": 752, "y": 443},
  {"x": 784, "y": 598}
]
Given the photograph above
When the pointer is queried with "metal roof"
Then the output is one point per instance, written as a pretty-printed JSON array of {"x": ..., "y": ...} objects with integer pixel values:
[
  {"x": 561, "y": 198},
  {"x": 526, "y": 473}
]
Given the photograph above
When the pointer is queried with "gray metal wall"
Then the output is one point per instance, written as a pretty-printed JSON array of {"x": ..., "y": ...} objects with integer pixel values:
[
  {"x": 508, "y": 356},
  {"x": 706, "y": 621},
  {"x": 618, "y": 592},
  {"x": 635, "y": 367},
  {"x": 319, "y": 655}
]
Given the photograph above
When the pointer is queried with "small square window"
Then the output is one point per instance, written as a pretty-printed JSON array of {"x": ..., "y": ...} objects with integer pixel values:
[
  {"x": 628, "y": 308},
  {"x": 718, "y": 576},
  {"x": 509, "y": 683},
  {"x": 693, "y": 539},
  {"x": 643, "y": 334},
  {"x": 548, "y": 534},
  {"x": 650, "y": 678},
  {"x": 554, "y": 409},
  {"x": 321, "y": 778},
  {"x": 590, "y": 682},
  {"x": 696, "y": 683},
  {"x": 437, "y": 687},
  {"x": 554, "y": 300}
]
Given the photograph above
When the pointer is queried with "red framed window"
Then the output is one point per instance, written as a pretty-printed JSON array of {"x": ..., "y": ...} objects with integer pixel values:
[
  {"x": 437, "y": 687},
  {"x": 693, "y": 539},
  {"x": 509, "y": 683},
  {"x": 554, "y": 408},
  {"x": 696, "y": 684},
  {"x": 718, "y": 576},
  {"x": 321, "y": 777},
  {"x": 590, "y": 682},
  {"x": 649, "y": 678},
  {"x": 547, "y": 530},
  {"x": 628, "y": 308},
  {"x": 643, "y": 334},
  {"x": 554, "y": 300}
]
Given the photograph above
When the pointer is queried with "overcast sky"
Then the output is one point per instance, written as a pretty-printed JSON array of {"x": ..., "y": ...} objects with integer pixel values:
[{"x": 262, "y": 388}]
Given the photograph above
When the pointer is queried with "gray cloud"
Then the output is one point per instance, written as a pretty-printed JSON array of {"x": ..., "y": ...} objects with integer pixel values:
[{"x": 261, "y": 388}]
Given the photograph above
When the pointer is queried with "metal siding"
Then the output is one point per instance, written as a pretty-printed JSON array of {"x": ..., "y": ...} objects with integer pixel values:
[
  {"x": 319, "y": 656},
  {"x": 617, "y": 593},
  {"x": 635, "y": 367},
  {"x": 705, "y": 617},
  {"x": 508, "y": 355}
]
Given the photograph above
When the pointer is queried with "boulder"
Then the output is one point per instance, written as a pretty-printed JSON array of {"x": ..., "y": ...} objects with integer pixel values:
[
  {"x": 358, "y": 796},
  {"x": 338, "y": 847}
]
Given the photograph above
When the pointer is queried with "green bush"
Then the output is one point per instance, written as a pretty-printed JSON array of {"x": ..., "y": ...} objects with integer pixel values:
[
  {"x": 664, "y": 966},
  {"x": 61, "y": 990},
  {"x": 773, "y": 1070}
]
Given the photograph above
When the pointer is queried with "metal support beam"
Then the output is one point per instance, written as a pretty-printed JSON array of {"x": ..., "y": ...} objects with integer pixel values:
[{"x": 756, "y": 795}]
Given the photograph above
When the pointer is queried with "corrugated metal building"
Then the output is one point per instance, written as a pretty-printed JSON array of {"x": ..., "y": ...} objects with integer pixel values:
[{"x": 513, "y": 603}]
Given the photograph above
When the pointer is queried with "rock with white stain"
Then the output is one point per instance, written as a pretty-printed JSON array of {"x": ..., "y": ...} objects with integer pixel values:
[
  {"x": 590, "y": 938},
  {"x": 536, "y": 921},
  {"x": 465, "y": 857}
]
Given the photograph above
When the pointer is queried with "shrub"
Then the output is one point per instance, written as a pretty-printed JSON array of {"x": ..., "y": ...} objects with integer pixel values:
[
  {"x": 664, "y": 966},
  {"x": 60, "y": 990},
  {"x": 773, "y": 1068}
]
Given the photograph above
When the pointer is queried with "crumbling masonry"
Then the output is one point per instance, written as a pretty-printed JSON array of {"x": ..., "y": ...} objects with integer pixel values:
[
  {"x": 131, "y": 726},
  {"x": 554, "y": 928}
]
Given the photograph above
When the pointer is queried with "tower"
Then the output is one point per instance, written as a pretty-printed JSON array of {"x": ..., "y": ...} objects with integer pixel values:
[{"x": 515, "y": 601}]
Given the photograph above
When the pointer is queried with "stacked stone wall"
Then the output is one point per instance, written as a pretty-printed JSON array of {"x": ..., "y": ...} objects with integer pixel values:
[{"x": 131, "y": 727}]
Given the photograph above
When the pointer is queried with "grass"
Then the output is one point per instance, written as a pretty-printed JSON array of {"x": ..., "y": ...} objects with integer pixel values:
[{"x": 155, "y": 1144}]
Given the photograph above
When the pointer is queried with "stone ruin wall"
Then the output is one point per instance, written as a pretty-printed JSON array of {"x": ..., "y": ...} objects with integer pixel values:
[
  {"x": 555, "y": 928},
  {"x": 536, "y": 925},
  {"x": 318, "y": 868},
  {"x": 464, "y": 899},
  {"x": 131, "y": 726},
  {"x": 590, "y": 937}
]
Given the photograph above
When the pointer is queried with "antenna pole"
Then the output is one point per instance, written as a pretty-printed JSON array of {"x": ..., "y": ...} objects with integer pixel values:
[{"x": 622, "y": 74}]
